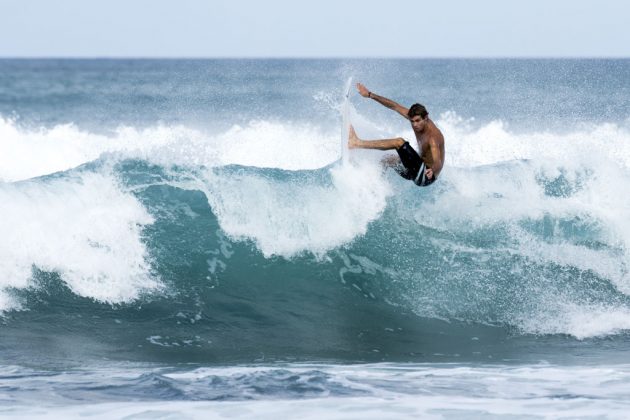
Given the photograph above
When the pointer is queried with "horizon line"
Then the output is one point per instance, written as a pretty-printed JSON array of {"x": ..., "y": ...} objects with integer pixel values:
[{"x": 297, "y": 57}]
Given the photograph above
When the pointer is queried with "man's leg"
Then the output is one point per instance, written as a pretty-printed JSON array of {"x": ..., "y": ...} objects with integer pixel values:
[
  {"x": 354, "y": 142},
  {"x": 390, "y": 161}
]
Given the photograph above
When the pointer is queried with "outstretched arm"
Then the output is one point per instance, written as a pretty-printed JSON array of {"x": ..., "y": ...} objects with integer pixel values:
[{"x": 363, "y": 91}]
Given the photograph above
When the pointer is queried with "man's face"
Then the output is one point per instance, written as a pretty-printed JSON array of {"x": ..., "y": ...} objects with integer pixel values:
[{"x": 418, "y": 123}]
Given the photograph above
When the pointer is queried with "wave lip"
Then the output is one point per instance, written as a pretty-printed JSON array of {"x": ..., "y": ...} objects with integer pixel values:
[{"x": 84, "y": 227}]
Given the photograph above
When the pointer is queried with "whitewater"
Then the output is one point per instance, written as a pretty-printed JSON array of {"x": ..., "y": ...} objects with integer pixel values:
[{"x": 181, "y": 237}]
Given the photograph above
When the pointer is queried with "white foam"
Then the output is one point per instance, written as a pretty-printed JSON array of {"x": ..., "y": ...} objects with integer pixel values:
[
  {"x": 488, "y": 184},
  {"x": 398, "y": 391},
  {"x": 494, "y": 142},
  {"x": 340, "y": 408},
  {"x": 83, "y": 227},
  {"x": 27, "y": 153},
  {"x": 508, "y": 196},
  {"x": 277, "y": 145},
  {"x": 579, "y": 320},
  {"x": 288, "y": 217},
  {"x": 490, "y": 179}
]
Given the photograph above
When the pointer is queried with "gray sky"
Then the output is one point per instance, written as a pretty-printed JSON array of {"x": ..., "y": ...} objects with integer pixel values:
[{"x": 316, "y": 28}]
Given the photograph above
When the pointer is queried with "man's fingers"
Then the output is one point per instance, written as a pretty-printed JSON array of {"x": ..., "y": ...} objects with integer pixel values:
[{"x": 362, "y": 89}]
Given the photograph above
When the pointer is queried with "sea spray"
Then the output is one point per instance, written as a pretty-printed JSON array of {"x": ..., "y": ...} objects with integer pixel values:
[{"x": 81, "y": 226}]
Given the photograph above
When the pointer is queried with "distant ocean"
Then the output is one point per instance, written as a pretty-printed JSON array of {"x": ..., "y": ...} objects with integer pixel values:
[{"x": 178, "y": 239}]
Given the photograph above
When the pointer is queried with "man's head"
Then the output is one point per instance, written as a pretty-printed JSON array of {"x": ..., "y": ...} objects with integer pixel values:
[{"x": 418, "y": 115}]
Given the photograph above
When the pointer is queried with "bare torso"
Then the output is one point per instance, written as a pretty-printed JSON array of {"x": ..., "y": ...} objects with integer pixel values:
[{"x": 430, "y": 133}]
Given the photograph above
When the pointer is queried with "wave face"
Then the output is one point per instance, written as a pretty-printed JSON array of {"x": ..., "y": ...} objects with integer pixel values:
[{"x": 250, "y": 241}]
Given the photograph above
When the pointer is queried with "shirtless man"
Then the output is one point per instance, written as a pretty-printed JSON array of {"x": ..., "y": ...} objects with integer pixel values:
[{"x": 423, "y": 169}]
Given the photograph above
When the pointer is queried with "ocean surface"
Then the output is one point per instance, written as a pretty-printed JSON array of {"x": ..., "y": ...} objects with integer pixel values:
[{"x": 180, "y": 239}]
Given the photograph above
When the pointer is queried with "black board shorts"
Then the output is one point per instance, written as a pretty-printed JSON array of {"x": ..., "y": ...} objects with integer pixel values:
[{"x": 413, "y": 167}]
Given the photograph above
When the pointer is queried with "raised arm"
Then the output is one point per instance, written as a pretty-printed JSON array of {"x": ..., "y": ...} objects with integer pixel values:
[{"x": 363, "y": 91}]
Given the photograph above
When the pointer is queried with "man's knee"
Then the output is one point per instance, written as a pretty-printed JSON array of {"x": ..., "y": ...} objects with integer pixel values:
[{"x": 400, "y": 142}]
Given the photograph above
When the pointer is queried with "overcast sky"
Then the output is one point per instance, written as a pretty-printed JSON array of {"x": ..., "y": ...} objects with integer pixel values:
[{"x": 315, "y": 28}]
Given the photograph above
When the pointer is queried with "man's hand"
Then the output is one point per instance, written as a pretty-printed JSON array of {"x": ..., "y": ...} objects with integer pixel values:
[
  {"x": 388, "y": 103},
  {"x": 429, "y": 173},
  {"x": 363, "y": 91}
]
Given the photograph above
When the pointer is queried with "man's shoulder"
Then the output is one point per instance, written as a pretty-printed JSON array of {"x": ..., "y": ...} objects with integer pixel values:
[{"x": 435, "y": 133}]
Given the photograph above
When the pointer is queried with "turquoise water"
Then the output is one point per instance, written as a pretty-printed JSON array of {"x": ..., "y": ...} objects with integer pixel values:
[{"x": 184, "y": 230}]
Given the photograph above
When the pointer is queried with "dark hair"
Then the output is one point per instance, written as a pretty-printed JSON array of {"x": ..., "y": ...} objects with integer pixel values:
[{"x": 417, "y": 109}]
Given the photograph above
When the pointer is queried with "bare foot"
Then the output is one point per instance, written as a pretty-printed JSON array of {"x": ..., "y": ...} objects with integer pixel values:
[{"x": 353, "y": 140}]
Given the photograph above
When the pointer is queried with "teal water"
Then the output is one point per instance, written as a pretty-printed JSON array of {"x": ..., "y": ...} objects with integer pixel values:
[{"x": 166, "y": 217}]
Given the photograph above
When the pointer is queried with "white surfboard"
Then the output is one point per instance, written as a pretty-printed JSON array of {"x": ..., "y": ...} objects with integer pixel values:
[{"x": 345, "y": 121}]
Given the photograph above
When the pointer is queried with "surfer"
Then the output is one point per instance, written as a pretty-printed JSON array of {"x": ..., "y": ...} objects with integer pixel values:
[{"x": 422, "y": 169}]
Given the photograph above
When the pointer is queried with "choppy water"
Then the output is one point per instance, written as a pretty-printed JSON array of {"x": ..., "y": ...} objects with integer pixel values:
[{"x": 184, "y": 230}]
